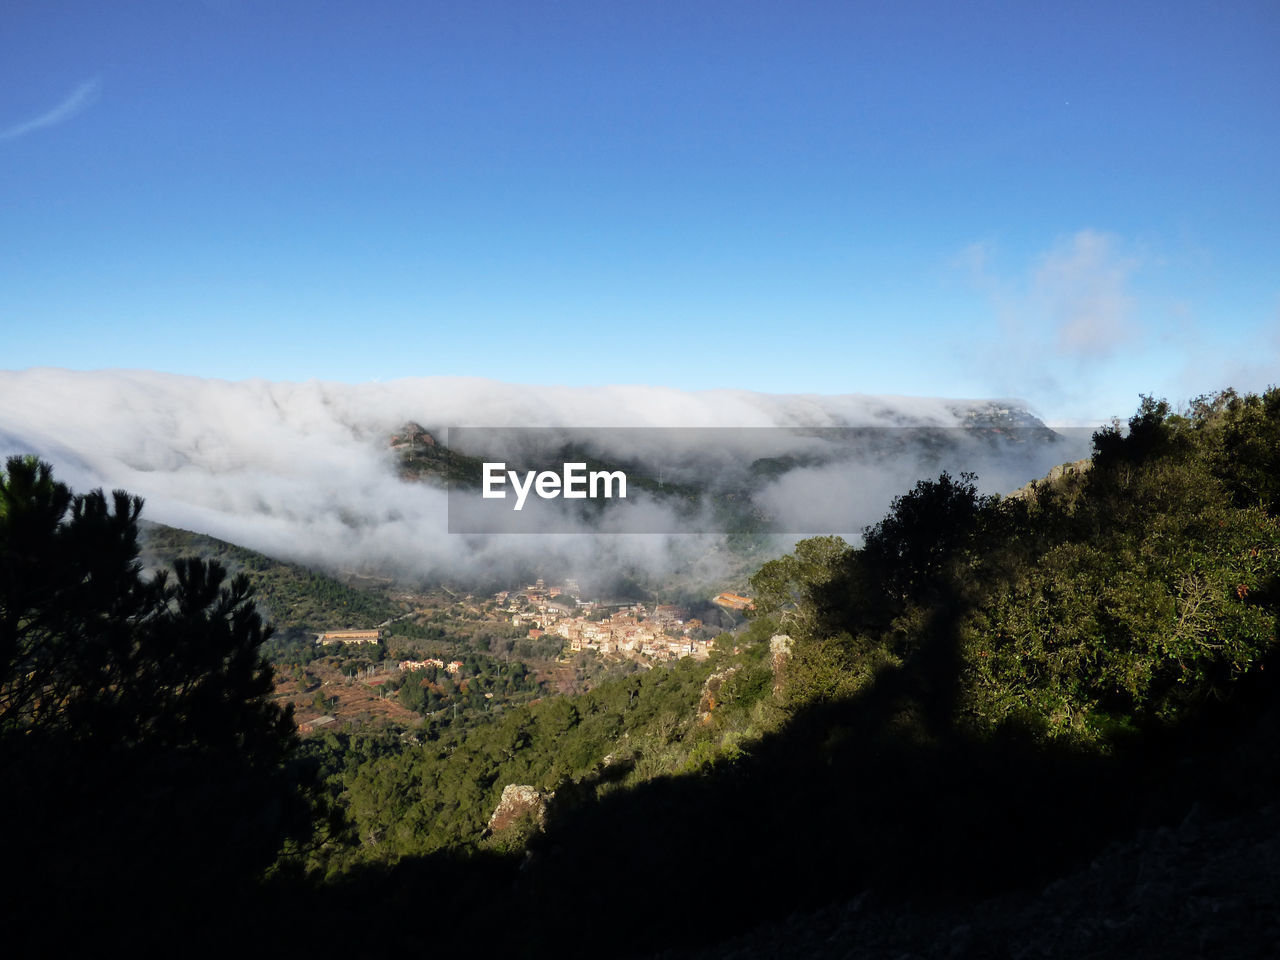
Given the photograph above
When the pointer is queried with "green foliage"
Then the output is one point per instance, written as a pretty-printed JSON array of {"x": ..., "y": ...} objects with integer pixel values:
[
  {"x": 984, "y": 686},
  {"x": 1114, "y": 602},
  {"x": 939, "y": 525},
  {"x": 832, "y": 669},
  {"x": 487, "y": 682},
  {"x": 1242, "y": 436},
  {"x": 784, "y": 585},
  {"x": 1160, "y": 598},
  {"x": 288, "y": 594},
  {"x": 440, "y": 795}
]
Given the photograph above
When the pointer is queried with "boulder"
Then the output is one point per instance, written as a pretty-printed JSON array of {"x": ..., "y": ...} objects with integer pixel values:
[{"x": 520, "y": 806}]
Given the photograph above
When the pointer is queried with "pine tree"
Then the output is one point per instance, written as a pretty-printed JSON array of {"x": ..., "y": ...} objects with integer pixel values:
[{"x": 139, "y": 749}]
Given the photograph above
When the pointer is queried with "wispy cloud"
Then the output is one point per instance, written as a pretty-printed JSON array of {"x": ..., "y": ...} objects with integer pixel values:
[
  {"x": 1081, "y": 287},
  {"x": 1083, "y": 326},
  {"x": 1061, "y": 323},
  {"x": 1075, "y": 301},
  {"x": 80, "y": 99}
]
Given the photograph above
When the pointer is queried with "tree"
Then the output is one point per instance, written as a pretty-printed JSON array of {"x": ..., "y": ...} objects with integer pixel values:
[
  {"x": 137, "y": 738},
  {"x": 786, "y": 586},
  {"x": 928, "y": 530}
]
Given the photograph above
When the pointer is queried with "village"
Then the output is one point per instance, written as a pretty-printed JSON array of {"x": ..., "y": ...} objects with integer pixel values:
[
  {"x": 630, "y": 629},
  {"x": 342, "y": 684},
  {"x": 623, "y": 629}
]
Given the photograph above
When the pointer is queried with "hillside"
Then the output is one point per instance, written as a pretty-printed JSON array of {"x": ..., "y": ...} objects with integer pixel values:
[
  {"x": 942, "y": 727},
  {"x": 956, "y": 697},
  {"x": 289, "y": 595}
]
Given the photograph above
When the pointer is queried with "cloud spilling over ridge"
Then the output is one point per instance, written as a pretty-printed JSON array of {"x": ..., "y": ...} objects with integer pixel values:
[{"x": 304, "y": 471}]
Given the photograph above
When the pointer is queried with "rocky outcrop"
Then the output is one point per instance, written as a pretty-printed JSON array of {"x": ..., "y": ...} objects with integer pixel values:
[
  {"x": 711, "y": 693},
  {"x": 1056, "y": 475},
  {"x": 521, "y": 807},
  {"x": 779, "y": 653},
  {"x": 412, "y": 435}
]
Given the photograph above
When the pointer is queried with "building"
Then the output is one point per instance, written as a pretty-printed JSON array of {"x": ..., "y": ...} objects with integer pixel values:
[{"x": 348, "y": 636}]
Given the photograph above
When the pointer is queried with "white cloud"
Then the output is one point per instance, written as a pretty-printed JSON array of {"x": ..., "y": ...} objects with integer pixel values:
[
  {"x": 1081, "y": 289},
  {"x": 303, "y": 470},
  {"x": 1060, "y": 324},
  {"x": 80, "y": 99}
]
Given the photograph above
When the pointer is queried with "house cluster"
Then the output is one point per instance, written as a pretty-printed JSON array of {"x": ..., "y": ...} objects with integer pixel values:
[
  {"x": 539, "y": 592},
  {"x": 348, "y": 636},
  {"x": 454, "y": 666},
  {"x": 663, "y": 632},
  {"x": 625, "y": 634},
  {"x": 540, "y": 606}
]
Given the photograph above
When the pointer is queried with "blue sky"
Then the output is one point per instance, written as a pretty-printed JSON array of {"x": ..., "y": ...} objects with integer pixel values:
[{"x": 1069, "y": 203}]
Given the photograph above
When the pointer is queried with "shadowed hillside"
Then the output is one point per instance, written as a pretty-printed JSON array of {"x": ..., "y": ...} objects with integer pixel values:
[{"x": 951, "y": 721}]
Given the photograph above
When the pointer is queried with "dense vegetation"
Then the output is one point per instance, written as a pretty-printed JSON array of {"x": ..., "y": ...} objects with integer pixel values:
[
  {"x": 441, "y": 795},
  {"x": 976, "y": 698},
  {"x": 981, "y": 694},
  {"x": 142, "y": 759},
  {"x": 1120, "y": 598},
  {"x": 284, "y": 592}
]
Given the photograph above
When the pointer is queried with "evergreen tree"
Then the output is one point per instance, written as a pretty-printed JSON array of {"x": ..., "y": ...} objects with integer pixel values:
[{"x": 139, "y": 749}]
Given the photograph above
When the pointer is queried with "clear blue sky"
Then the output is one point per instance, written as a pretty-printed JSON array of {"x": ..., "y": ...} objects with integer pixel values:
[{"x": 1068, "y": 202}]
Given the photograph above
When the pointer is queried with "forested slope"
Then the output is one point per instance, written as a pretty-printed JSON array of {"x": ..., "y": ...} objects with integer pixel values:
[
  {"x": 981, "y": 698},
  {"x": 288, "y": 594},
  {"x": 978, "y": 699}
]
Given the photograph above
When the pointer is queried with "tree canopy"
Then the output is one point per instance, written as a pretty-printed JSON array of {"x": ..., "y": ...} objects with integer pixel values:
[
  {"x": 139, "y": 747},
  {"x": 1123, "y": 594}
]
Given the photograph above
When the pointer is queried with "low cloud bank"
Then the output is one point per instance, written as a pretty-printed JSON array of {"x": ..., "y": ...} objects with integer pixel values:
[{"x": 304, "y": 470}]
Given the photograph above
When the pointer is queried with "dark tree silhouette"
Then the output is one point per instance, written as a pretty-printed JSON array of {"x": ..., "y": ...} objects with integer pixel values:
[{"x": 140, "y": 755}]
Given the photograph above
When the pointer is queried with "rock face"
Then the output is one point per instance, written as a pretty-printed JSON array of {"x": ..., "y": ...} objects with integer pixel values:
[
  {"x": 521, "y": 805},
  {"x": 1074, "y": 470},
  {"x": 711, "y": 693},
  {"x": 412, "y": 435},
  {"x": 779, "y": 654}
]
